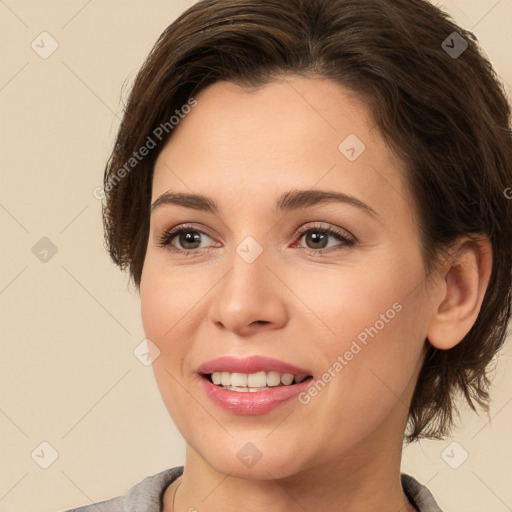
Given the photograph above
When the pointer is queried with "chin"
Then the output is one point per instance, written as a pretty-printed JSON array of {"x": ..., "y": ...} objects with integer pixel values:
[{"x": 252, "y": 456}]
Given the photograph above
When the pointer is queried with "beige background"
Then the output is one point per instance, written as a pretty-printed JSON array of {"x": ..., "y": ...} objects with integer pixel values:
[{"x": 69, "y": 326}]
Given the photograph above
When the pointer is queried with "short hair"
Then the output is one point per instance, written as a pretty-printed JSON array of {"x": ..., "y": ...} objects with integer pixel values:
[{"x": 435, "y": 98}]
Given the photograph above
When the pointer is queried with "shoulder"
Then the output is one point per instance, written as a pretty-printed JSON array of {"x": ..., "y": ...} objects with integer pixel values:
[
  {"x": 144, "y": 496},
  {"x": 419, "y": 494}
]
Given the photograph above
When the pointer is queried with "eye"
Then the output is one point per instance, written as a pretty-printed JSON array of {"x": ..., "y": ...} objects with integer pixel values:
[
  {"x": 187, "y": 236},
  {"x": 318, "y": 237},
  {"x": 190, "y": 238}
]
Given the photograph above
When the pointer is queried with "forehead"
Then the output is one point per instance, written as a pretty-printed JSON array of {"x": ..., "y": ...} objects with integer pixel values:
[{"x": 239, "y": 144}]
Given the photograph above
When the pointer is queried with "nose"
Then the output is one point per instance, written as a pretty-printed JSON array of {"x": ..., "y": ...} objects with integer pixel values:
[{"x": 250, "y": 298}]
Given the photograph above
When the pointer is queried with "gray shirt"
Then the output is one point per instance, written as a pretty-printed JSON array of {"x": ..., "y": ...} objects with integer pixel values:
[{"x": 147, "y": 495}]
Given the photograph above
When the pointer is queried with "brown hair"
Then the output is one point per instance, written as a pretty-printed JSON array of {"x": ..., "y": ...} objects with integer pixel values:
[{"x": 445, "y": 115}]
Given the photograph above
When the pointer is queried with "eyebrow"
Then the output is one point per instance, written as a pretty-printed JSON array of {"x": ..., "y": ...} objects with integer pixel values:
[{"x": 292, "y": 200}]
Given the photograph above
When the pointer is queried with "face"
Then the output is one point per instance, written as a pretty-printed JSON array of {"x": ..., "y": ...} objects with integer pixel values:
[{"x": 332, "y": 285}]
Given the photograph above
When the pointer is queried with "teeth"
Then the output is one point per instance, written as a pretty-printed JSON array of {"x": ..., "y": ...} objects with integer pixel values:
[
  {"x": 254, "y": 381},
  {"x": 244, "y": 390},
  {"x": 239, "y": 380},
  {"x": 273, "y": 379},
  {"x": 287, "y": 379}
]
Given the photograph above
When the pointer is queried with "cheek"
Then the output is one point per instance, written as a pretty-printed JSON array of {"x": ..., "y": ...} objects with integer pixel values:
[
  {"x": 370, "y": 330},
  {"x": 171, "y": 312},
  {"x": 163, "y": 310},
  {"x": 347, "y": 299},
  {"x": 164, "y": 306},
  {"x": 380, "y": 365},
  {"x": 167, "y": 296}
]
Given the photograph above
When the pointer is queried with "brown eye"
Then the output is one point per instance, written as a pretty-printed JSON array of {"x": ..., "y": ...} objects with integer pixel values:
[
  {"x": 188, "y": 238},
  {"x": 317, "y": 239}
]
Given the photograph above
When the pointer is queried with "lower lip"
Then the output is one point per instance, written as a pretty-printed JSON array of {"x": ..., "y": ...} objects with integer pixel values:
[{"x": 251, "y": 403}]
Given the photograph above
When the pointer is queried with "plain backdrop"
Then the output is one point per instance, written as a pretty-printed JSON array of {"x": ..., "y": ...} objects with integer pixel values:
[{"x": 69, "y": 325}]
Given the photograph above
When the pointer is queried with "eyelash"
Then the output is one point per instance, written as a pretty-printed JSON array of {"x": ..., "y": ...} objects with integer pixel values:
[{"x": 166, "y": 238}]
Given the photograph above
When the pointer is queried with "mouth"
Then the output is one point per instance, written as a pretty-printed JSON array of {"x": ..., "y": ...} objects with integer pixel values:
[
  {"x": 252, "y": 385},
  {"x": 254, "y": 382}
]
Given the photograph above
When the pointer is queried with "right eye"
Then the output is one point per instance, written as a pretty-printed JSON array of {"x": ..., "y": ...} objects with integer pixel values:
[{"x": 186, "y": 236}]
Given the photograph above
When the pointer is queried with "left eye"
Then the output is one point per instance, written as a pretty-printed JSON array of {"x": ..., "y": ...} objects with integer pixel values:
[
  {"x": 319, "y": 236},
  {"x": 189, "y": 239}
]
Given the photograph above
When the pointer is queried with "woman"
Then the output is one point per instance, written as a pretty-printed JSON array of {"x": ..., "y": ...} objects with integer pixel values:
[{"x": 310, "y": 197}]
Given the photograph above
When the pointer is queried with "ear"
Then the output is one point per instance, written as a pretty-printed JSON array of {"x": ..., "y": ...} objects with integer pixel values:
[{"x": 462, "y": 284}]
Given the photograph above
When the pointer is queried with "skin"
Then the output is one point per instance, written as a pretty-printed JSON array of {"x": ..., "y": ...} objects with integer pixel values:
[{"x": 342, "y": 450}]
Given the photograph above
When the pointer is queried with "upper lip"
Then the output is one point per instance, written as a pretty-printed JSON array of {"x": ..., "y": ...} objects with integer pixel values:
[{"x": 251, "y": 364}]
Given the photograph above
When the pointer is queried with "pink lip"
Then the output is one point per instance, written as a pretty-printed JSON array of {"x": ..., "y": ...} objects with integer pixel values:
[
  {"x": 252, "y": 403},
  {"x": 251, "y": 364}
]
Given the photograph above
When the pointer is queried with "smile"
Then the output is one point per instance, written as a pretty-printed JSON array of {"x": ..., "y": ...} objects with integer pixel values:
[
  {"x": 252, "y": 382},
  {"x": 252, "y": 385}
]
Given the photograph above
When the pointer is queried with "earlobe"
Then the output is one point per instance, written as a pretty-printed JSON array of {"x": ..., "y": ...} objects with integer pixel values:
[{"x": 463, "y": 284}]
